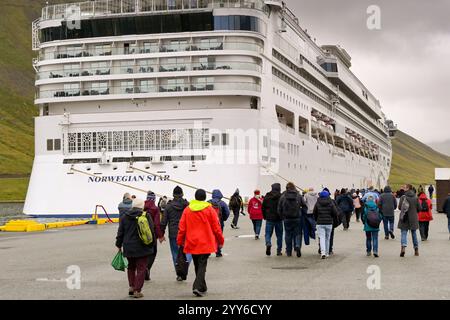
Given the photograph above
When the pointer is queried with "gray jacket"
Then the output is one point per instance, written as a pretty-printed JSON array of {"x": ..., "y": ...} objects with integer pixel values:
[
  {"x": 388, "y": 204},
  {"x": 412, "y": 222},
  {"x": 311, "y": 200}
]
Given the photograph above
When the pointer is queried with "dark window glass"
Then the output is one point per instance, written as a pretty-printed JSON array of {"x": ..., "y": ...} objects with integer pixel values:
[
  {"x": 231, "y": 24},
  {"x": 57, "y": 144},
  {"x": 49, "y": 144}
]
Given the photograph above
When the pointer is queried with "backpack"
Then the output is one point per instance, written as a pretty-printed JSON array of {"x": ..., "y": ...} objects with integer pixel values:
[
  {"x": 373, "y": 218},
  {"x": 424, "y": 206},
  {"x": 234, "y": 202},
  {"x": 144, "y": 231},
  {"x": 218, "y": 209},
  {"x": 291, "y": 209}
]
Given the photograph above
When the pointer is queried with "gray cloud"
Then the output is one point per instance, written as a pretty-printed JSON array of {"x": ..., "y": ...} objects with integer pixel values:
[{"x": 405, "y": 64}]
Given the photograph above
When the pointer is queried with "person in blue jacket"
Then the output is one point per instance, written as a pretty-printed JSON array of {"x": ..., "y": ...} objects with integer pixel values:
[
  {"x": 222, "y": 210},
  {"x": 371, "y": 232}
]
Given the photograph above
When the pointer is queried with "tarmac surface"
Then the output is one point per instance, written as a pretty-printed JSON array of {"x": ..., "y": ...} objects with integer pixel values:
[{"x": 34, "y": 265}]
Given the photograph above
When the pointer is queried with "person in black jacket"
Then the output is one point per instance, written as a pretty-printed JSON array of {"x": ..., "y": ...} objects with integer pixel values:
[
  {"x": 325, "y": 213},
  {"x": 345, "y": 203},
  {"x": 171, "y": 218},
  {"x": 446, "y": 209},
  {"x": 133, "y": 248},
  {"x": 273, "y": 219}
]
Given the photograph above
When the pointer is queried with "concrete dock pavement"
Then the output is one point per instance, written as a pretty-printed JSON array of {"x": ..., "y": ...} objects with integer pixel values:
[{"x": 34, "y": 266}]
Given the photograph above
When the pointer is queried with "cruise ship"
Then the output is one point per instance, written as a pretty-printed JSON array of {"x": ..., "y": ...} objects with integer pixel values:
[{"x": 139, "y": 95}]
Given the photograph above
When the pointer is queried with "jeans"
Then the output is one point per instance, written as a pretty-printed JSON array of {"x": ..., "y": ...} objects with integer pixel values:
[
  {"x": 278, "y": 226},
  {"x": 324, "y": 232},
  {"x": 372, "y": 241},
  {"x": 388, "y": 223},
  {"x": 404, "y": 239},
  {"x": 137, "y": 268},
  {"x": 448, "y": 218},
  {"x": 200, "y": 263},
  {"x": 292, "y": 236},
  {"x": 235, "y": 216},
  {"x": 174, "y": 251},
  {"x": 257, "y": 226},
  {"x": 424, "y": 226}
]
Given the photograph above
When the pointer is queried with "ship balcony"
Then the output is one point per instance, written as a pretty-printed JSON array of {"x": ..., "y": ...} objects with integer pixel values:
[
  {"x": 151, "y": 67},
  {"x": 148, "y": 89},
  {"x": 149, "y": 48},
  {"x": 102, "y": 8}
]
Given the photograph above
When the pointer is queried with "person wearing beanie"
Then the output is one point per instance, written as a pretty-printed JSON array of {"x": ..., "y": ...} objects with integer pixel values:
[
  {"x": 222, "y": 210},
  {"x": 236, "y": 204},
  {"x": 125, "y": 205},
  {"x": 137, "y": 253},
  {"x": 200, "y": 234},
  {"x": 151, "y": 208},
  {"x": 273, "y": 219},
  {"x": 171, "y": 219},
  {"x": 325, "y": 212},
  {"x": 255, "y": 212}
]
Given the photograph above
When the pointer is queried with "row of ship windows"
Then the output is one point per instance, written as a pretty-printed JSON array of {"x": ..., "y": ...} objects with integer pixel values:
[
  {"x": 290, "y": 99},
  {"x": 147, "y": 47},
  {"x": 148, "y": 66},
  {"x": 147, "y": 86}
]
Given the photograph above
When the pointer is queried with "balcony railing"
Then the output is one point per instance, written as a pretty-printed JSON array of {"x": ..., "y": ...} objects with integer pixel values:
[
  {"x": 71, "y": 53},
  {"x": 160, "y": 88},
  {"x": 101, "y": 8},
  {"x": 137, "y": 69}
]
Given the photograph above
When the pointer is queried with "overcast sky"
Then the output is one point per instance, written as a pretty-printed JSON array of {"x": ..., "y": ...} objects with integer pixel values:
[{"x": 406, "y": 64}]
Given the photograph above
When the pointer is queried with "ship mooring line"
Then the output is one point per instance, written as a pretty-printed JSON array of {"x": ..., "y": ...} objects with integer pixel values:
[{"x": 281, "y": 177}]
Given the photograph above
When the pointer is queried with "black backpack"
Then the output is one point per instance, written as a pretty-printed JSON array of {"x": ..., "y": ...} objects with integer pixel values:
[
  {"x": 424, "y": 206},
  {"x": 291, "y": 209},
  {"x": 373, "y": 218}
]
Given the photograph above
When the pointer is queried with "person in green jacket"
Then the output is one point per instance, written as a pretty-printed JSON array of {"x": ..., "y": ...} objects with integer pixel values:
[{"x": 371, "y": 232}]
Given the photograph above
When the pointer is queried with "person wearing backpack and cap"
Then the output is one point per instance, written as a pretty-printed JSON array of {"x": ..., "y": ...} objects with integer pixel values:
[
  {"x": 255, "y": 212},
  {"x": 222, "y": 210},
  {"x": 151, "y": 208},
  {"x": 371, "y": 219},
  {"x": 200, "y": 234},
  {"x": 236, "y": 204},
  {"x": 129, "y": 241},
  {"x": 171, "y": 219},
  {"x": 425, "y": 215}
]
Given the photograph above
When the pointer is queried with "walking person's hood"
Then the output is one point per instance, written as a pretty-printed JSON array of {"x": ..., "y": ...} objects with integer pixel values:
[
  {"x": 423, "y": 196},
  {"x": 387, "y": 189},
  {"x": 178, "y": 203},
  {"x": 276, "y": 187},
  {"x": 217, "y": 194},
  {"x": 196, "y": 205},
  {"x": 371, "y": 205},
  {"x": 291, "y": 194},
  {"x": 134, "y": 212}
]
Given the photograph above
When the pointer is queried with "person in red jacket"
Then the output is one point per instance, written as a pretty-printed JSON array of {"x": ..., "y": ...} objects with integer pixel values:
[
  {"x": 425, "y": 215},
  {"x": 151, "y": 208},
  {"x": 200, "y": 234},
  {"x": 255, "y": 212}
]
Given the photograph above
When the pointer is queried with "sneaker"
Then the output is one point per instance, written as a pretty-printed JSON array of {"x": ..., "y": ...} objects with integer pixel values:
[
  {"x": 219, "y": 255},
  {"x": 179, "y": 278},
  {"x": 279, "y": 253},
  {"x": 324, "y": 256},
  {"x": 138, "y": 295},
  {"x": 268, "y": 249},
  {"x": 233, "y": 226},
  {"x": 130, "y": 291},
  {"x": 327, "y": 256},
  {"x": 299, "y": 253},
  {"x": 386, "y": 238},
  {"x": 289, "y": 254},
  {"x": 197, "y": 293},
  {"x": 376, "y": 255},
  {"x": 392, "y": 235},
  {"x": 369, "y": 254}
]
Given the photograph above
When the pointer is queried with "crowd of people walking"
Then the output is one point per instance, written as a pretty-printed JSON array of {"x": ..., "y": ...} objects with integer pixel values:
[{"x": 195, "y": 228}]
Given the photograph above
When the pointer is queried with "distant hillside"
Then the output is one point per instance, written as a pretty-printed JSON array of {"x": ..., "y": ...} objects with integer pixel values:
[
  {"x": 414, "y": 162},
  {"x": 442, "y": 147}
]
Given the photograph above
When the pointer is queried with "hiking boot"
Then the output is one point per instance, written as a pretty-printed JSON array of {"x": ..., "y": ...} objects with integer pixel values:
[
  {"x": 402, "y": 253},
  {"x": 197, "y": 293},
  {"x": 416, "y": 252},
  {"x": 299, "y": 253},
  {"x": 268, "y": 249},
  {"x": 376, "y": 255},
  {"x": 131, "y": 291},
  {"x": 392, "y": 235},
  {"x": 138, "y": 295},
  {"x": 386, "y": 238}
]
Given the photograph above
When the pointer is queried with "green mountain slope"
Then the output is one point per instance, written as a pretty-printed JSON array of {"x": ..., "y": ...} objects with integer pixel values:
[{"x": 414, "y": 162}]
